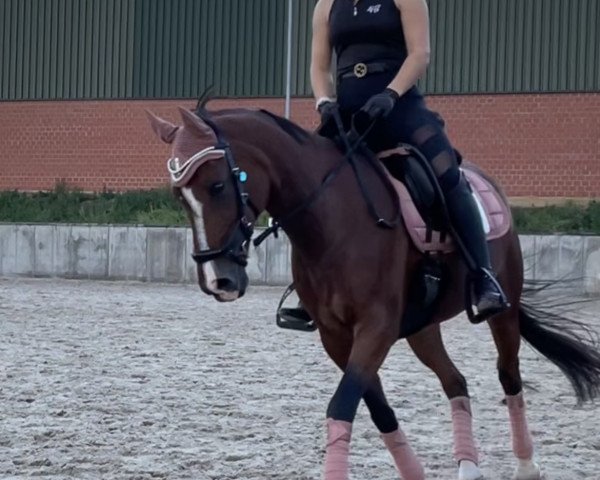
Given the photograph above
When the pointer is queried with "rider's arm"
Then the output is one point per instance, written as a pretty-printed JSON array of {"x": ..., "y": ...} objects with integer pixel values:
[
  {"x": 415, "y": 23},
  {"x": 320, "y": 65}
]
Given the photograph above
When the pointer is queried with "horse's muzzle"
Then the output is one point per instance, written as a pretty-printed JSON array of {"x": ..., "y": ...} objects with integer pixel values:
[
  {"x": 229, "y": 290},
  {"x": 229, "y": 282}
]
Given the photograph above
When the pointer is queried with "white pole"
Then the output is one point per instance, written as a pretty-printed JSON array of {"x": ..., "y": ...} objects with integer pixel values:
[{"x": 288, "y": 79}]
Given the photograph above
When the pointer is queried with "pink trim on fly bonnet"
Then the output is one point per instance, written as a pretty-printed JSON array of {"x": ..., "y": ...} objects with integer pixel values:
[{"x": 496, "y": 211}]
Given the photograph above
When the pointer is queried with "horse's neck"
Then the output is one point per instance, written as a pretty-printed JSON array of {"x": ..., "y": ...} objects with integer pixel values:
[
  {"x": 296, "y": 173},
  {"x": 292, "y": 171}
]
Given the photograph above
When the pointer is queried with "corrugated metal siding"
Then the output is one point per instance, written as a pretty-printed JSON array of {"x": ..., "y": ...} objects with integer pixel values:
[
  {"x": 301, "y": 46},
  {"x": 488, "y": 46},
  {"x": 184, "y": 46},
  {"x": 66, "y": 49},
  {"x": 176, "y": 48}
]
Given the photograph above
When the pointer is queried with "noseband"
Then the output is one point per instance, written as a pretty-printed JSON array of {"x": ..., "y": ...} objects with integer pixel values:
[{"x": 236, "y": 246}]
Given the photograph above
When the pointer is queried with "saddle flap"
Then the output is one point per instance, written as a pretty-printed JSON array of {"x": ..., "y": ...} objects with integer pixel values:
[{"x": 495, "y": 214}]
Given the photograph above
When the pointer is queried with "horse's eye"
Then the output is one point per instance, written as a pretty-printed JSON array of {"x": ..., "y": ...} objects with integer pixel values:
[{"x": 216, "y": 189}]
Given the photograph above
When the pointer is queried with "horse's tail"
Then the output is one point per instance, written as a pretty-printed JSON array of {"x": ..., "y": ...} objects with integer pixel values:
[{"x": 571, "y": 345}]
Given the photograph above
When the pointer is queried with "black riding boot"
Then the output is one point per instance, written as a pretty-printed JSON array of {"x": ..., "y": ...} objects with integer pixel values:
[{"x": 466, "y": 220}]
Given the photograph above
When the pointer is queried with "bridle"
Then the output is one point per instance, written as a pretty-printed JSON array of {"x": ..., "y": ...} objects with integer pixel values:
[
  {"x": 235, "y": 248},
  {"x": 237, "y": 245}
]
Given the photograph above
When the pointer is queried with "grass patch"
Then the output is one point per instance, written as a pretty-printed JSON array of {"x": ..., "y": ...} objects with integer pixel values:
[
  {"x": 568, "y": 218},
  {"x": 150, "y": 207},
  {"x": 159, "y": 207}
]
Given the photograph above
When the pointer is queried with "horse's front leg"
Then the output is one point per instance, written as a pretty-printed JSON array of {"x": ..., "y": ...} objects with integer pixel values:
[
  {"x": 395, "y": 440},
  {"x": 371, "y": 343}
]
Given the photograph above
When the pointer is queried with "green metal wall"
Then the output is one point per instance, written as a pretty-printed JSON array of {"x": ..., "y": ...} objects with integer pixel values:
[
  {"x": 66, "y": 49},
  {"x": 183, "y": 46},
  {"x": 301, "y": 41},
  {"x": 73, "y": 49},
  {"x": 514, "y": 46}
]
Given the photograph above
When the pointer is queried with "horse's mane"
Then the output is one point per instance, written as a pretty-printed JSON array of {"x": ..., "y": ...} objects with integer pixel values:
[
  {"x": 204, "y": 98},
  {"x": 296, "y": 132},
  {"x": 300, "y": 135}
]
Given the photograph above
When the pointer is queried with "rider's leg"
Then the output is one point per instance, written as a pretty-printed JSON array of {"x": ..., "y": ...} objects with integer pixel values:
[
  {"x": 412, "y": 122},
  {"x": 464, "y": 213}
]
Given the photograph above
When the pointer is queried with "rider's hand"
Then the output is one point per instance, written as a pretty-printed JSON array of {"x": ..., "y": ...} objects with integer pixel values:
[
  {"x": 380, "y": 105},
  {"x": 327, "y": 109}
]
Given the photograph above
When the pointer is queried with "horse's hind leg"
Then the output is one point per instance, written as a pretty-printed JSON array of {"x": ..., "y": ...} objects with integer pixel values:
[
  {"x": 429, "y": 349},
  {"x": 507, "y": 336},
  {"x": 395, "y": 440}
]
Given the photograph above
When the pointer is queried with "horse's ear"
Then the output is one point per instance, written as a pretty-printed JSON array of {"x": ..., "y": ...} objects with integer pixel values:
[
  {"x": 164, "y": 130},
  {"x": 195, "y": 123}
]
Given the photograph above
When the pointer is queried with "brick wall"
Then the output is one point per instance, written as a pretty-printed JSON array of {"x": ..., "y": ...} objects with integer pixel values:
[{"x": 535, "y": 145}]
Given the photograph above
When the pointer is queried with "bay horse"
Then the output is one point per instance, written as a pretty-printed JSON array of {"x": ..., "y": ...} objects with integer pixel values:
[{"x": 353, "y": 277}]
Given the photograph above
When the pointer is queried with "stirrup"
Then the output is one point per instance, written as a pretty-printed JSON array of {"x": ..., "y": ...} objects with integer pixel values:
[
  {"x": 293, "y": 318},
  {"x": 480, "y": 317}
]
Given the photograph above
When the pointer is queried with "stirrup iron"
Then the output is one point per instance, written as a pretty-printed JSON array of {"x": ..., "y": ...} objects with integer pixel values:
[
  {"x": 480, "y": 317},
  {"x": 293, "y": 318}
]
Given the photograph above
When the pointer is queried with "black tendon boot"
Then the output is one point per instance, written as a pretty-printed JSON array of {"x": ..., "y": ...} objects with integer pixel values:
[{"x": 466, "y": 220}]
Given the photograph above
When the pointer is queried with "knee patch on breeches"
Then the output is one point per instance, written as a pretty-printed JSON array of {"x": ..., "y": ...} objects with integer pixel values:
[{"x": 433, "y": 144}]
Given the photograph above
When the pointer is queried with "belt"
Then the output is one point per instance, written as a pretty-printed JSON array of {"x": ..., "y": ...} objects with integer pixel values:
[{"x": 360, "y": 70}]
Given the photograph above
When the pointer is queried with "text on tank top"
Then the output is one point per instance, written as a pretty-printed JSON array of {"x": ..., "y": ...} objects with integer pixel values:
[{"x": 367, "y": 31}]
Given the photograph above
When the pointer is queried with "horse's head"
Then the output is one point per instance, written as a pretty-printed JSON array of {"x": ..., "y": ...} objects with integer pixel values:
[{"x": 210, "y": 185}]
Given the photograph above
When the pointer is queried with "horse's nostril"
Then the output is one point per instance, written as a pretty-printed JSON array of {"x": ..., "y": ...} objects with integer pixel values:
[{"x": 226, "y": 285}]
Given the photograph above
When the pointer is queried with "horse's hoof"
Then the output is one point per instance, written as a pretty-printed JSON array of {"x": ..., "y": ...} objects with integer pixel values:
[
  {"x": 467, "y": 470},
  {"x": 528, "y": 470}
]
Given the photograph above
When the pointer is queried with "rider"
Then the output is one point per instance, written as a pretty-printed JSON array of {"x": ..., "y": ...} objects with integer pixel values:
[{"x": 382, "y": 49}]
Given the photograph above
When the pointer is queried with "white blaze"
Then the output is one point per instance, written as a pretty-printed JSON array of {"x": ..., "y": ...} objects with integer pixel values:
[{"x": 198, "y": 219}]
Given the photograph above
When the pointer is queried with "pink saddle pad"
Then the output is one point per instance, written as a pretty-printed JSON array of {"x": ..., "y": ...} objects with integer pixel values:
[{"x": 496, "y": 214}]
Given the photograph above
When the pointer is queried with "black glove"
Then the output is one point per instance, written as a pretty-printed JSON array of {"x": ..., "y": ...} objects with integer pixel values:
[
  {"x": 328, "y": 126},
  {"x": 327, "y": 110},
  {"x": 379, "y": 106}
]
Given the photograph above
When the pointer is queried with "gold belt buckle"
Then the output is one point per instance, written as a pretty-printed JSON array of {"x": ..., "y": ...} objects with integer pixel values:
[{"x": 360, "y": 70}]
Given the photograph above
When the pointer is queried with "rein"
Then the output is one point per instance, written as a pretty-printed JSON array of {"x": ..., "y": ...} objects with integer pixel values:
[
  {"x": 358, "y": 145},
  {"x": 353, "y": 143},
  {"x": 278, "y": 224}
]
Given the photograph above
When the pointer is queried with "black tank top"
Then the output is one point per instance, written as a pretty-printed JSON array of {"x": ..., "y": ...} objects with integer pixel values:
[{"x": 370, "y": 31}]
